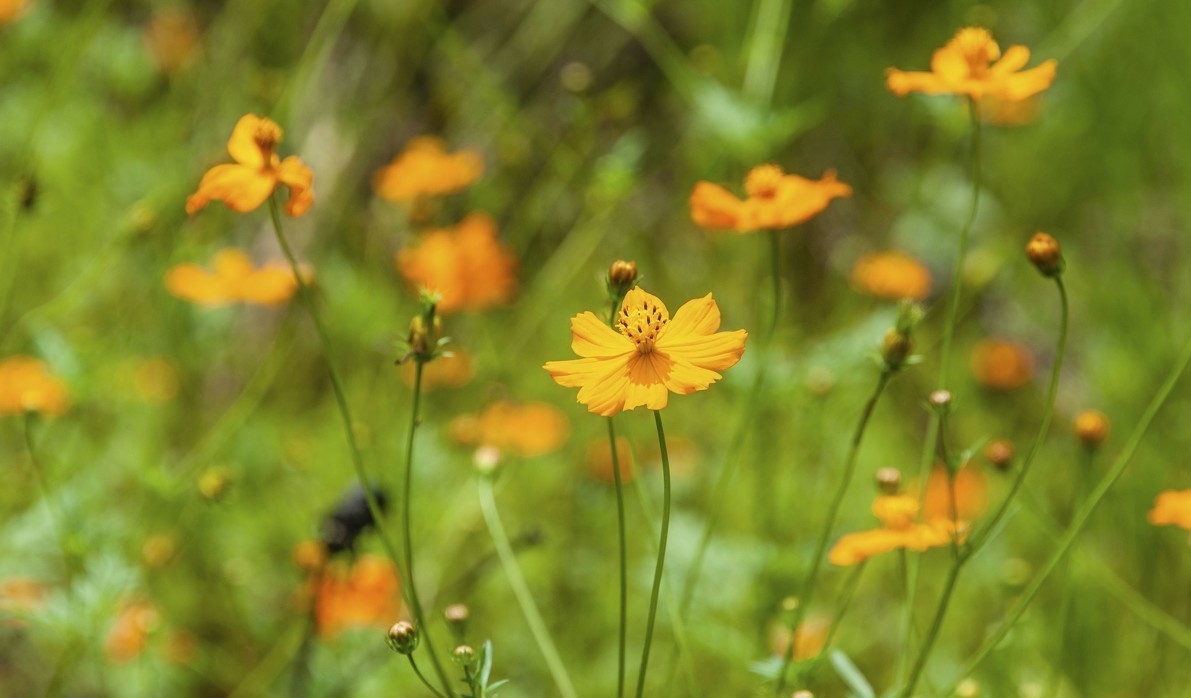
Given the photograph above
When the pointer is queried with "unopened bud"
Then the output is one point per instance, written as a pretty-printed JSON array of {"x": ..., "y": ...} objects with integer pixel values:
[
  {"x": 1046, "y": 254},
  {"x": 1091, "y": 427},
  {"x": 403, "y": 637},
  {"x": 896, "y": 348},
  {"x": 464, "y": 655},
  {"x": 1000, "y": 453},
  {"x": 457, "y": 616},
  {"x": 622, "y": 274},
  {"x": 940, "y": 399},
  {"x": 967, "y": 689},
  {"x": 214, "y": 482},
  {"x": 803, "y": 694},
  {"x": 889, "y": 480},
  {"x": 422, "y": 339}
]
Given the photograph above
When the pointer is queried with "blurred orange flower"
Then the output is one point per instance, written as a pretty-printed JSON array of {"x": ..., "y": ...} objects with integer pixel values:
[
  {"x": 1008, "y": 112},
  {"x": 971, "y": 494},
  {"x": 450, "y": 370},
  {"x": 1002, "y": 365},
  {"x": 899, "y": 531},
  {"x": 650, "y": 357},
  {"x": 809, "y": 639},
  {"x": 366, "y": 594},
  {"x": 425, "y": 168},
  {"x": 599, "y": 461},
  {"x": 775, "y": 200},
  {"x": 466, "y": 265},
  {"x": 20, "y": 596},
  {"x": 233, "y": 280},
  {"x": 11, "y": 9},
  {"x": 130, "y": 633},
  {"x": 965, "y": 66},
  {"x": 1172, "y": 508},
  {"x": 26, "y": 385},
  {"x": 891, "y": 276},
  {"x": 524, "y": 429},
  {"x": 171, "y": 37},
  {"x": 258, "y": 170}
]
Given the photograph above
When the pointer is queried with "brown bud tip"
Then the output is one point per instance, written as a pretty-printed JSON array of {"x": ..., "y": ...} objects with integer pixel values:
[
  {"x": 1090, "y": 427},
  {"x": 1046, "y": 254},
  {"x": 403, "y": 637},
  {"x": 999, "y": 452},
  {"x": 456, "y": 614},
  {"x": 889, "y": 480},
  {"x": 463, "y": 655},
  {"x": 896, "y": 348},
  {"x": 940, "y": 399},
  {"x": 622, "y": 274}
]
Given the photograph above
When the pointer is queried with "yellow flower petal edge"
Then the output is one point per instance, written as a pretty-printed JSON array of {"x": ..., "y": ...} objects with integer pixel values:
[
  {"x": 971, "y": 64},
  {"x": 648, "y": 356}
]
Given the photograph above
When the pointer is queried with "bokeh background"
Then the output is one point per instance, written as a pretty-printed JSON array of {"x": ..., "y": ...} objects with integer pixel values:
[{"x": 204, "y": 445}]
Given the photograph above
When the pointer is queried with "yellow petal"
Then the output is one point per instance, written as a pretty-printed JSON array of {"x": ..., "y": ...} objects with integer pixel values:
[
  {"x": 193, "y": 283},
  {"x": 1029, "y": 82},
  {"x": 646, "y": 386},
  {"x": 590, "y": 337},
  {"x": 232, "y": 263},
  {"x": 240, "y": 187},
  {"x": 269, "y": 286},
  {"x": 714, "y": 207},
  {"x": 714, "y": 352},
  {"x": 243, "y": 146},
  {"x": 700, "y": 316},
  {"x": 300, "y": 180}
]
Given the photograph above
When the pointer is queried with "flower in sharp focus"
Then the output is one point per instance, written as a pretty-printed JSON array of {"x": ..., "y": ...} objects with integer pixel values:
[
  {"x": 1172, "y": 508},
  {"x": 525, "y": 429},
  {"x": 649, "y": 356},
  {"x": 425, "y": 168},
  {"x": 26, "y": 385},
  {"x": 971, "y": 64},
  {"x": 1001, "y": 364},
  {"x": 891, "y": 276},
  {"x": 466, "y": 265},
  {"x": 775, "y": 200},
  {"x": 368, "y": 593},
  {"x": 257, "y": 171},
  {"x": 233, "y": 279}
]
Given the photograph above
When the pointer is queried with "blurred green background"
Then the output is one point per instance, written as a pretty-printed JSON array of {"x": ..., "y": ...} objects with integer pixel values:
[{"x": 595, "y": 119}]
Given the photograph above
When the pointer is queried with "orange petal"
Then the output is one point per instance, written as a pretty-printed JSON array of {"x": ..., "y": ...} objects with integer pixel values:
[
  {"x": 232, "y": 263},
  {"x": 902, "y": 83},
  {"x": 239, "y": 187},
  {"x": 193, "y": 283},
  {"x": 1027, "y": 83},
  {"x": 269, "y": 286},
  {"x": 646, "y": 386},
  {"x": 605, "y": 373},
  {"x": 300, "y": 180},
  {"x": 243, "y": 147},
  {"x": 714, "y": 207},
  {"x": 1015, "y": 59}
]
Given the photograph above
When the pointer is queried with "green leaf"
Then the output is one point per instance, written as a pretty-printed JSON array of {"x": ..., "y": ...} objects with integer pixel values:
[{"x": 850, "y": 675}]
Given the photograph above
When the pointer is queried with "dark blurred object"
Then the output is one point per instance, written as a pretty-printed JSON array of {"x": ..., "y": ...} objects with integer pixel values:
[
  {"x": 350, "y": 518},
  {"x": 28, "y": 193}
]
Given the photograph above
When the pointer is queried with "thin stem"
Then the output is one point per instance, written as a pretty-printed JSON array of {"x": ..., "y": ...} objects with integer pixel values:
[
  {"x": 56, "y": 518},
  {"x": 1085, "y": 512},
  {"x": 657, "y": 572},
  {"x": 430, "y": 687},
  {"x": 981, "y": 536},
  {"x": 508, "y": 561},
  {"x": 808, "y": 586},
  {"x": 964, "y": 234},
  {"x": 407, "y": 536},
  {"x": 623, "y": 572},
  {"x": 775, "y": 260},
  {"x": 845, "y": 602},
  {"x": 933, "y": 633}
]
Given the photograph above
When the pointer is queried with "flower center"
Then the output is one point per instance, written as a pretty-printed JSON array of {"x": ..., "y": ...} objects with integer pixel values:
[
  {"x": 266, "y": 137},
  {"x": 762, "y": 181},
  {"x": 978, "y": 48},
  {"x": 641, "y": 324}
]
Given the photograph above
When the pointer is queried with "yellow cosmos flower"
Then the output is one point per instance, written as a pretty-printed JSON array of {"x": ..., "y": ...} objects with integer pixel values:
[
  {"x": 425, "y": 168},
  {"x": 1172, "y": 508},
  {"x": 233, "y": 280},
  {"x": 466, "y": 265},
  {"x": 523, "y": 429},
  {"x": 891, "y": 276},
  {"x": 775, "y": 200},
  {"x": 258, "y": 170},
  {"x": 649, "y": 357},
  {"x": 899, "y": 530},
  {"x": 968, "y": 65},
  {"x": 26, "y": 385}
]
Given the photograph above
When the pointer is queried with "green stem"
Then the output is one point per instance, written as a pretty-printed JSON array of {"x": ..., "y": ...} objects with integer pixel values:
[
  {"x": 964, "y": 235},
  {"x": 933, "y": 633},
  {"x": 1085, "y": 512},
  {"x": 662, "y": 540},
  {"x": 426, "y": 682},
  {"x": 845, "y": 602},
  {"x": 508, "y": 560},
  {"x": 808, "y": 585},
  {"x": 56, "y": 518},
  {"x": 979, "y": 538},
  {"x": 624, "y": 577}
]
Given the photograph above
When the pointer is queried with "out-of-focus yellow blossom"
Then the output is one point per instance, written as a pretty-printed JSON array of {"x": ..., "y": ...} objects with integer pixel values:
[
  {"x": 522, "y": 429},
  {"x": 775, "y": 200},
  {"x": 233, "y": 279},
  {"x": 26, "y": 385},
  {"x": 452, "y": 369},
  {"x": 891, "y": 276},
  {"x": 1002, "y": 365},
  {"x": 1172, "y": 508},
  {"x": 971, "y": 64},
  {"x": 425, "y": 168},
  {"x": 466, "y": 265}
]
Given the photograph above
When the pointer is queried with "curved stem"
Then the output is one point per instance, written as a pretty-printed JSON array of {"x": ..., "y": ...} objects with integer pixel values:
[
  {"x": 808, "y": 585},
  {"x": 1085, "y": 512},
  {"x": 662, "y": 540},
  {"x": 429, "y": 686},
  {"x": 623, "y": 574},
  {"x": 508, "y": 560}
]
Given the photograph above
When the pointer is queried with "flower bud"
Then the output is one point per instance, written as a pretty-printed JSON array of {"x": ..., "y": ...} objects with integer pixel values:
[
  {"x": 464, "y": 656},
  {"x": 1000, "y": 453},
  {"x": 403, "y": 637},
  {"x": 622, "y": 274},
  {"x": 214, "y": 483},
  {"x": 1090, "y": 427},
  {"x": 896, "y": 348},
  {"x": 1046, "y": 254},
  {"x": 803, "y": 694},
  {"x": 940, "y": 399},
  {"x": 457, "y": 616},
  {"x": 889, "y": 480}
]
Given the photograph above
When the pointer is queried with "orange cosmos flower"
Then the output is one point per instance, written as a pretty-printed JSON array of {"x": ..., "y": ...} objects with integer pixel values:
[
  {"x": 425, "y": 168},
  {"x": 1001, "y": 364},
  {"x": 19, "y": 597},
  {"x": 233, "y": 280},
  {"x": 599, "y": 461},
  {"x": 466, "y": 265},
  {"x": 26, "y": 385},
  {"x": 172, "y": 37},
  {"x": 526, "y": 429},
  {"x": 367, "y": 594},
  {"x": 899, "y": 531},
  {"x": 245, "y": 184},
  {"x": 891, "y": 276},
  {"x": 1172, "y": 508},
  {"x": 775, "y": 200},
  {"x": 965, "y": 66},
  {"x": 649, "y": 357},
  {"x": 11, "y": 9},
  {"x": 130, "y": 633},
  {"x": 451, "y": 369},
  {"x": 971, "y": 494}
]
